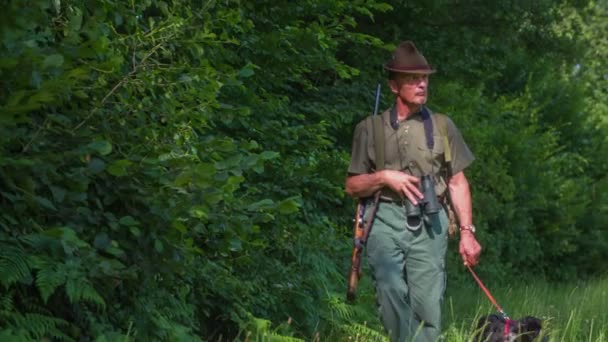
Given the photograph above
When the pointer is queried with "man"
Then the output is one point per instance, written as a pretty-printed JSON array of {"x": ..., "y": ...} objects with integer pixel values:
[{"x": 407, "y": 258}]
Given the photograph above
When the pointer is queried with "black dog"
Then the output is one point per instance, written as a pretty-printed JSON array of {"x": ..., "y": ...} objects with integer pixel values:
[{"x": 495, "y": 328}]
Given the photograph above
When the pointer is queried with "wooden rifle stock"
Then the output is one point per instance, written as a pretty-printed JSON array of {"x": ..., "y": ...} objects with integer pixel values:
[
  {"x": 355, "y": 261},
  {"x": 362, "y": 229}
]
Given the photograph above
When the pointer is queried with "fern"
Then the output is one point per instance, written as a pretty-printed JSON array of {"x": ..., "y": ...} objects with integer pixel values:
[
  {"x": 274, "y": 337},
  {"x": 82, "y": 290},
  {"x": 113, "y": 337},
  {"x": 259, "y": 330},
  {"x": 13, "y": 265},
  {"x": 48, "y": 278},
  {"x": 362, "y": 332},
  {"x": 172, "y": 330},
  {"x": 6, "y": 302},
  {"x": 39, "y": 242},
  {"x": 14, "y": 336},
  {"x": 164, "y": 315},
  {"x": 38, "y": 326},
  {"x": 338, "y": 308},
  {"x": 7, "y": 308}
]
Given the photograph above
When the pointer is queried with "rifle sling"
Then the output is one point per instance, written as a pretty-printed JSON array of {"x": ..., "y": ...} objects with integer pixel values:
[
  {"x": 378, "y": 125},
  {"x": 378, "y": 132}
]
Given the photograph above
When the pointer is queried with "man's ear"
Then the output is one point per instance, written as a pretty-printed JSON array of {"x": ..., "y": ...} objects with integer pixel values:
[{"x": 394, "y": 85}]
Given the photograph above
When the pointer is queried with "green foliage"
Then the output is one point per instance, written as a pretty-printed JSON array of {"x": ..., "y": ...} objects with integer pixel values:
[
  {"x": 173, "y": 170},
  {"x": 13, "y": 265},
  {"x": 361, "y": 332}
]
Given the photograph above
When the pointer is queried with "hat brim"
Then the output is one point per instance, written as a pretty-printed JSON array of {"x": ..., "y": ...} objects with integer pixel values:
[{"x": 426, "y": 69}]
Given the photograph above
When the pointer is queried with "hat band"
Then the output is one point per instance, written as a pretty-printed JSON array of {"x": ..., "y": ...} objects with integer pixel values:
[{"x": 411, "y": 68}]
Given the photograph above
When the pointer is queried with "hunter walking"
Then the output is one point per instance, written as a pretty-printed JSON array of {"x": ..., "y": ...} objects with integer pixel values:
[{"x": 416, "y": 159}]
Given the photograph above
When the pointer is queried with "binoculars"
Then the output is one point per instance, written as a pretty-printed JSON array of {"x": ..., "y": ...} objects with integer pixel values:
[{"x": 427, "y": 206}]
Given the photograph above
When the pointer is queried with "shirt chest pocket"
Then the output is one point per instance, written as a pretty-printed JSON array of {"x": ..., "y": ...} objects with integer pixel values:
[{"x": 431, "y": 160}]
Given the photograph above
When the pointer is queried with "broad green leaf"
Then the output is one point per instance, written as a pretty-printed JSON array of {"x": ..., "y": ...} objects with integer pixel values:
[
  {"x": 198, "y": 212},
  {"x": 268, "y": 155},
  {"x": 158, "y": 246},
  {"x": 236, "y": 245},
  {"x": 75, "y": 21},
  {"x": 233, "y": 183},
  {"x": 183, "y": 178},
  {"x": 135, "y": 231},
  {"x": 247, "y": 71},
  {"x": 213, "y": 197},
  {"x": 128, "y": 221},
  {"x": 119, "y": 167},
  {"x": 45, "y": 203},
  {"x": 113, "y": 250},
  {"x": 102, "y": 147},
  {"x": 264, "y": 204},
  {"x": 229, "y": 163},
  {"x": 67, "y": 235},
  {"x": 180, "y": 227},
  {"x": 289, "y": 206},
  {"x": 52, "y": 61}
]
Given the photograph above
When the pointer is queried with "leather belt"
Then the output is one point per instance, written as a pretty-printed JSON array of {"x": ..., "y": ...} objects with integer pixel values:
[{"x": 388, "y": 195}]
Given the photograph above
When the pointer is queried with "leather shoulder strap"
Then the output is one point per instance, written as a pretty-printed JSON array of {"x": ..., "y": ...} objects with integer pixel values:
[
  {"x": 378, "y": 127},
  {"x": 442, "y": 122}
]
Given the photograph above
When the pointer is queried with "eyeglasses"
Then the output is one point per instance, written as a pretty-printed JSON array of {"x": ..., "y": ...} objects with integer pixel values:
[{"x": 413, "y": 78}]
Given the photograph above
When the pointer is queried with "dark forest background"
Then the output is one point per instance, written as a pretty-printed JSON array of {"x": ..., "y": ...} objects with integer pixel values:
[{"x": 174, "y": 170}]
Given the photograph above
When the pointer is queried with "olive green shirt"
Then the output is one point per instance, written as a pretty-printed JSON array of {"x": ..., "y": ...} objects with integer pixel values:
[{"x": 406, "y": 149}]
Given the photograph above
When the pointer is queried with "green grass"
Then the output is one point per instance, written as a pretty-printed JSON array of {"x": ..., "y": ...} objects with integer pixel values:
[
  {"x": 575, "y": 312},
  {"x": 570, "y": 312}
]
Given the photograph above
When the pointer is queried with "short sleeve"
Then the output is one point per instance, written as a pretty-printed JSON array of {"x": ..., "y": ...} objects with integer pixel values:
[
  {"x": 462, "y": 156},
  {"x": 359, "y": 159}
]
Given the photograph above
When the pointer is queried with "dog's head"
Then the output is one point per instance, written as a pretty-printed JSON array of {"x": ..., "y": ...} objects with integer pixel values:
[{"x": 495, "y": 328}]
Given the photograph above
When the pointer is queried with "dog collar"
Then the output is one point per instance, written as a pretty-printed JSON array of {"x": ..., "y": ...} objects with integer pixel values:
[{"x": 508, "y": 322}]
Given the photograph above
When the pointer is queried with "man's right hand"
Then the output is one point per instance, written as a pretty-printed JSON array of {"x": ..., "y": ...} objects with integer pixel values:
[
  {"x": 403, "y": 184},
  {"x": 469, "y": 248}
]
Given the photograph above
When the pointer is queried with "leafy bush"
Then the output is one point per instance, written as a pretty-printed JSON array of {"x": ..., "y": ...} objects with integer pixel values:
[{"x": 174, "y": 170}]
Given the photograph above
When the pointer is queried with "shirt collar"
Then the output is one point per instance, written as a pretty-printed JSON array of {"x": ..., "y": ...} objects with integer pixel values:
[{"x": 394, "y": 121}]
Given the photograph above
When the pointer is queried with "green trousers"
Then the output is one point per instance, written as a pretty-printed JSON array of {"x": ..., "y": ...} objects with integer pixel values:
[{"x": 408, "y": 268}]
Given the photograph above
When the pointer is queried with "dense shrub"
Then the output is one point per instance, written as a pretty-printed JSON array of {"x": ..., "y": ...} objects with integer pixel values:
[{"x": 173, "y": 170}]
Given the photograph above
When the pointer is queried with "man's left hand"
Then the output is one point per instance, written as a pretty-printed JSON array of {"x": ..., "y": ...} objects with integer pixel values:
[{"x": 469, "y": 249}]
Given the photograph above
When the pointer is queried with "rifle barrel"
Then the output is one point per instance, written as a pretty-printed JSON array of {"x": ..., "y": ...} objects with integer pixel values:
[{"x": 377, "y": 103}]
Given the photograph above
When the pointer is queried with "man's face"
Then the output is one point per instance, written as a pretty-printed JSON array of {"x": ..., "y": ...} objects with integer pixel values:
[{"x": 410, "y": 88}]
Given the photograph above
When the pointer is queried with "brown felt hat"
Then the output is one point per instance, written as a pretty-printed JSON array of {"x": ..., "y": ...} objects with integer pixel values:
[{"x": 407, "y": 59}]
